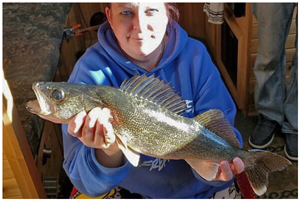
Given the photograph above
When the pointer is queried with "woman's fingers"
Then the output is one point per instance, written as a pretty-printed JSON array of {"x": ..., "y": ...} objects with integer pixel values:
[
  {"x": 238, "y": 166},
  {"x": 88, "y": 130},
  {"x": 93, "y": 129},
  {"x": 227, "y": 171},
  {"x": 75, "y": 125},
  {"x": 105, "y": 126}
]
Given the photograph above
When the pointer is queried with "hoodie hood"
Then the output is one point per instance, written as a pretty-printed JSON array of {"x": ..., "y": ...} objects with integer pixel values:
[{"x": 107, "y": 41}]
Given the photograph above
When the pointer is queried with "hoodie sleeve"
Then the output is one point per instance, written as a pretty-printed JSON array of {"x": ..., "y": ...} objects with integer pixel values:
[
  {"x": 80, "y": 163},
  {"x": 211, "y": 93},
  {"x": 84, "y": 171}
]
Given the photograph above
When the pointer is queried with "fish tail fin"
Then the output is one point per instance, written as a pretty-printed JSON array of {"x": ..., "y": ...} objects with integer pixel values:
[{"x": 258, "y": 164}]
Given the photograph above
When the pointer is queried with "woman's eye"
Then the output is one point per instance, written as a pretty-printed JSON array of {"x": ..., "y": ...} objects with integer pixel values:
[
  {"x": 151, "y": 11},
  {"x": 57, "y": 95},
  {"x": 126, "y": 12}
]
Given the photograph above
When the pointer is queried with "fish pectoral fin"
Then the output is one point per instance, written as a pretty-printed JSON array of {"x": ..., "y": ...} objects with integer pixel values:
[
  {"x": 132, "y": 156},
  {"x": 206, "y": 169}
]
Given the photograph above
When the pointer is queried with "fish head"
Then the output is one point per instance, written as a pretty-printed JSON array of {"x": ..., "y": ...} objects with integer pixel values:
[{"x": 61, "y": 100}]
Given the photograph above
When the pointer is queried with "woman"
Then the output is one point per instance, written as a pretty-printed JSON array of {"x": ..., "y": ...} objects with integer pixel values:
[{"x": 142, "y": 38}]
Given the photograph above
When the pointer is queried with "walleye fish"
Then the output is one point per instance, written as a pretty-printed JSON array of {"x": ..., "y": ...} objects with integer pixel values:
[{"x": 146, "y": 120}]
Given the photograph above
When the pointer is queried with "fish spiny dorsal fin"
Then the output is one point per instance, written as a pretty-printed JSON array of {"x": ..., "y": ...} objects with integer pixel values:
[
  {"x": 215, "y": 121},
  {"x": 127, "y": 84},
  {"x": 123, "y": 83},
  {"x": 156, "y": 91}
]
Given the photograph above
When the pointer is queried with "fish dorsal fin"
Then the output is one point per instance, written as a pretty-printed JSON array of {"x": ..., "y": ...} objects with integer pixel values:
[
  {"x": 156, "y": 91},
  {"x": 215, "y": 121}
]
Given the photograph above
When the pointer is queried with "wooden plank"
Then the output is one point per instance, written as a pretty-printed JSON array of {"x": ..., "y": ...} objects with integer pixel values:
[
  {"x": 7, "y": 170},
  {"x": 51, "y": 166},
  {"x": 244, "y": 61},
  {"x": 240, "y": 27},
  {"x": 88, "y": 10},
  {"x": 228, "y": 81},
  {"x": 17, "y": 150},
  {"x": 254, "y": 21},
  {"x": 192, "y": 18},
  {"x": 243, "y": 22},
  {"x": 11, "y": 189},
  {"x": 212, "y": 36},
  {"x": 290, "y": 41}
]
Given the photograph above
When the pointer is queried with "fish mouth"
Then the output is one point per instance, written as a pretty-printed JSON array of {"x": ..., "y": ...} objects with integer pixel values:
[{"x": 41, "y": 106}]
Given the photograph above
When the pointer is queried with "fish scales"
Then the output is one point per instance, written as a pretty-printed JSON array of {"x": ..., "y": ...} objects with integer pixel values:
[
  {"x": 148, "y": 125},
  {"x": 153, "y": 130},
  {"x": 146, "y": 120}
]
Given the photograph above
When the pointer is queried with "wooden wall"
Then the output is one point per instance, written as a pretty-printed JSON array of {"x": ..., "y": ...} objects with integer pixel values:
[
  {"x": 192, "y": 18},
  {"x": 87, "y": 11}
]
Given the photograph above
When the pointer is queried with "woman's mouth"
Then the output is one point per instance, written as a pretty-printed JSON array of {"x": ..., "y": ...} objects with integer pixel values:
[{"x": 138, "y": 39}]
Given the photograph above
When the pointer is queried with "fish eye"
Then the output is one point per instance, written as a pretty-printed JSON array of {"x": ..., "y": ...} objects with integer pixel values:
[{"x": 57, "y": 94}]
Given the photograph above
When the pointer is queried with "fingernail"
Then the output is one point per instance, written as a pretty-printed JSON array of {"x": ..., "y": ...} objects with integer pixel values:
[{"x": 224, "y": 163}]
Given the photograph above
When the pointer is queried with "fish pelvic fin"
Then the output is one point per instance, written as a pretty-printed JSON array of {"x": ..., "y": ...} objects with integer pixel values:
[
  {"x": 215, "y": 121},
  {"x": 132, "y": 156},
  {"x": 156, "y": 91},
  {"x": 206, "y": 169},
  {"x": 258, "y": 164}
]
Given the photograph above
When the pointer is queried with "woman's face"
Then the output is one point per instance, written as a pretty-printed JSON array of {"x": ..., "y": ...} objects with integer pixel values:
[{"x": 139, "y": 27}]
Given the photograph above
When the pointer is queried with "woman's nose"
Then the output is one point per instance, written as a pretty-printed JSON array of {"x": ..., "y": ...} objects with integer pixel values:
[
  {"x": 136, "y": 23},
  {"x": 139, "y": 22}
]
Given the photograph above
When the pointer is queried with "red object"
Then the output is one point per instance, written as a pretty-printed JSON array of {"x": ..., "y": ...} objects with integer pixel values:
[
  {"x": 245, "y": 187},
  {"x": 76, "y": 26},
  {"x": 74, "y": 193}
]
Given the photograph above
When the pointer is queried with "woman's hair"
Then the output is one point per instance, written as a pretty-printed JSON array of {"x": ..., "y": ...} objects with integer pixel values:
[{"x": 172, "y": 11}]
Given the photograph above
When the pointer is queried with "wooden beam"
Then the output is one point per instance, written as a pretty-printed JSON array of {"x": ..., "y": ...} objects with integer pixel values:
[{"x": 17, "y": 151}]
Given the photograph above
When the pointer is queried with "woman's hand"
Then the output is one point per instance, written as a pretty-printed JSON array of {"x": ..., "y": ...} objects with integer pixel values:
[
  {"x": 95, "y": 130},
  {"x": 227, "y": 171}
]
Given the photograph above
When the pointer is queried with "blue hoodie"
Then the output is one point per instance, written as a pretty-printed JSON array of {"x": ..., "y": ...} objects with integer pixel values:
[{"x": 187, "y": 65}]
